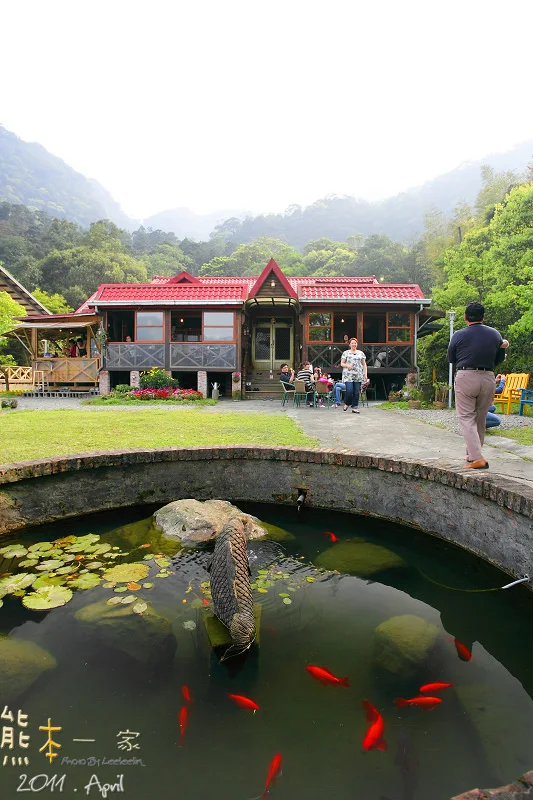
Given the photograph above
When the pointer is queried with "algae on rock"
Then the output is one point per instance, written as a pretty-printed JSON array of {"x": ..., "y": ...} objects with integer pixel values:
[
  {"x": 21, "y": 663},
  {"x": 358, "y": 558},
  {"x": 402, "y": 644},
  {"x": 192, "y": 521},
  {"x": 147, "y": 638}
]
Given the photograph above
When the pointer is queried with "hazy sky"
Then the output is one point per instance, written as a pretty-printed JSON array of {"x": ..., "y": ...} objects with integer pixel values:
[{"x": 241, "y": 104}]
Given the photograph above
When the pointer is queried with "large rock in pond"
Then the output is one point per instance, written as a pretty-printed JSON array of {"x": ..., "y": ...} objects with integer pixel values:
[
  {"x": 358, "y": 558},
  {"x": 21, "y": 663},
  {"x": 402, "y": 644},
  {"x": 146, "y": 638},
  {"x": 191, "y": 521}
]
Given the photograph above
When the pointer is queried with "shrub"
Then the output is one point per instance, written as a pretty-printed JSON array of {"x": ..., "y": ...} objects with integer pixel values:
[
  {"x": 122, "y": 388},
  {"x": 158, "y": 379}
]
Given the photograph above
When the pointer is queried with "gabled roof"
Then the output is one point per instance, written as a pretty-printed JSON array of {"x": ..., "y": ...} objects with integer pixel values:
[
  {"x": 186, "y": 289},
  {"x": 272, "y": 269},
  {"x": 21, "y": 295}
]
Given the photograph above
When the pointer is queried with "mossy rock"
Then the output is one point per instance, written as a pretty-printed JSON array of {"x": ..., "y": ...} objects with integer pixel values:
[
  {"x": 402, "y": 644},
  {"x": 191, "y": 521},
  {"x": 147, "y": 638},
  {"x": 275, "y": 534},
  {"x": 219, "y": 635},
  {"x": 21, "y": 663},
  {"x": 359, "y": 558},
  {"x": 135, "y": 534}
]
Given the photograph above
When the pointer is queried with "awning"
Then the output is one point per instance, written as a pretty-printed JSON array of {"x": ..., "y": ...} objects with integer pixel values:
[{"x": 59, "y": 323}]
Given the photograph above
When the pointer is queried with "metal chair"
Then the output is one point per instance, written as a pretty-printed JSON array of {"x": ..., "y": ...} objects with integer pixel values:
[
  {"x": 286, "y": 392},
  {"x": 525, "y": 400}
]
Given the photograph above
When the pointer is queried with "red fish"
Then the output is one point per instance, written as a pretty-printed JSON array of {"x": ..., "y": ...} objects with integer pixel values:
[
  {"x": 462, "y": 650},
  {"x": 325, "y": 676},
  {"x": 186, "y": 694},
  {"x": 183, "y": 720},
  {"x": 244, "y": 702},
  {"x": 434, "y": 687},
  {"x": 274, "y": 771},
  {"x": 425, "y": 703},
  {"x": 374, "y": 736},
  {"x": 205, "y": 601},
  {"x": 331, "y": 536}
]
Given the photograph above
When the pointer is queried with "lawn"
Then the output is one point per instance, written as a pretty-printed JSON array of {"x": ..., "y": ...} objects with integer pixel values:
[
  {"x": 520, "y": 435},
  {"x": 39, "y": 434}
]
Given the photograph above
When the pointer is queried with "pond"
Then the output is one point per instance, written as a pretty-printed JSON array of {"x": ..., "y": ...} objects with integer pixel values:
[{"x": 92, "y": 690}]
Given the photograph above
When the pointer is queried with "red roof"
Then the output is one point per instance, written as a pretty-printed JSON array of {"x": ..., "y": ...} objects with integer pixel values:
[
  {"x": 184, "y": 289},
  {"x": 173, "y": 293}
]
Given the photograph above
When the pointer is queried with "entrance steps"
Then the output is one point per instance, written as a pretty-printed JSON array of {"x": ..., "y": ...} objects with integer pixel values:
[{"x": 259, "y": 386}]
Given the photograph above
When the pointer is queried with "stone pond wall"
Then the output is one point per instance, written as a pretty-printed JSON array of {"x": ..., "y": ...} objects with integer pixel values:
[{"x": 488, "y": 515}]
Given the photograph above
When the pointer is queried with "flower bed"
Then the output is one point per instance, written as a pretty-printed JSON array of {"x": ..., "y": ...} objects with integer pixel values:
[{"x": 168, "y": 395}]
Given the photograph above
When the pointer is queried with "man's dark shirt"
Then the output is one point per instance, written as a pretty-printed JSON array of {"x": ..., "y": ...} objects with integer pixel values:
[{"x": 476, "y": 346}]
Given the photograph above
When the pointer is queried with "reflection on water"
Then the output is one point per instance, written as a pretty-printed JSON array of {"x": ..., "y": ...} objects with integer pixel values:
[{"x": 111, "y": 680}]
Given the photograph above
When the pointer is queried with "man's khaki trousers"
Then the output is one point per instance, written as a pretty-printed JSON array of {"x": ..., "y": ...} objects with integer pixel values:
[{"x": 474, "y": 392}]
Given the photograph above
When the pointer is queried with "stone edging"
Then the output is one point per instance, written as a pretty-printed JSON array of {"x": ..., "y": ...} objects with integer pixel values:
[
  {"x": 520, "y": 790},
  {"x": 505, "y": 493}
]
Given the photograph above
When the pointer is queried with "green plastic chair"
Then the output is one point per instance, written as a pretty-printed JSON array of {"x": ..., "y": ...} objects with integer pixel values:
[{"x": 287, "y": 392}]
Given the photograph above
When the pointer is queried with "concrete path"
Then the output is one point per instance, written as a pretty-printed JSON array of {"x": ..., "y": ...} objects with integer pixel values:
[{"x": 373, "y": 432}]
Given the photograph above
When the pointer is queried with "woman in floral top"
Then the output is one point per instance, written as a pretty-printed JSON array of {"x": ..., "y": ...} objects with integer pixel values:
[{"x": 354, "y": 372}]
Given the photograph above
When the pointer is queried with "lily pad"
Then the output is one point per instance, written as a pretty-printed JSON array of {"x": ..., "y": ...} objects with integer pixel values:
[
  {"x": 87, "y": 581},
  {"x": 124, "y": 573},
  {"x": 95, "y": 565},
  {"x": 66, "y": 569},
  {"x": 114, "y": 600},
  {"x": 13, "y": 551},
  {"x": 133, "y": 586},
  {"x": 139, "y": 608},
  {"x": 287, "y": 601},
  {"x": 40, "y": 547},
  {"x": 148, "y": 585},
  {"x": 98, "y": 549},
  {"x": 121, "y": 589},
  {"x": 28, "y": 562},
  {"x": 83, "y": 542},
  {"x": 189, "y": 625},
  {"x": 48, "y": 580},
  {"x": 163, "y": 562},
  {"x": 14, "y": 583},
  {"x": 47, "y": 597},
  {"x": 130, "y": 598},
  {"x": 49, "y": 565}
]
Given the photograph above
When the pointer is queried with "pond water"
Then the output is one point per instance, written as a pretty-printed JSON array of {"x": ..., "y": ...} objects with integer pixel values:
[{"x": 108, "y": 674}]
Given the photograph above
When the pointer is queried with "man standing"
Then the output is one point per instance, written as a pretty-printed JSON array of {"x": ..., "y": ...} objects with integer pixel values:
[
  {"x": 354, "y": 372},
  {"x": 475, "y": 350}
]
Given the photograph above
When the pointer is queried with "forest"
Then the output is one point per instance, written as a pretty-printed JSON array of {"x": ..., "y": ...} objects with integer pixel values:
[{"x": 484, "y": 252}]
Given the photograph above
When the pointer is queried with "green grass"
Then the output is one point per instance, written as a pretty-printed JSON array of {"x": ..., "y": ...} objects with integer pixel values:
[
  {"x": 28, "y": 435},
  {"x": 520, "y": 435}
]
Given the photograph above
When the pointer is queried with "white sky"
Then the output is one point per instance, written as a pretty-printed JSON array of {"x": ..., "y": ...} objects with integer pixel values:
[{"x": 217, "y": 104}]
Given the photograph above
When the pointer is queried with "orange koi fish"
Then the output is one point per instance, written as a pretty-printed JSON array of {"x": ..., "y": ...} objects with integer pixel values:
[
  {"x": 435, "y": 687},
  {"x": 186, "y": 693},
  {"x": 274, "y": 771},
  {"x": 244, "y": 702},
  {"x": 331, "y": 536},
  {"x": 462, "y": 650},
  {"x": 374, "y": 736},
  {"x": 205, "y": 601},
  {"x": 425, "y": 703},
  {"x": 183, "y": 720},
  {"x": 325, "y": 676}
]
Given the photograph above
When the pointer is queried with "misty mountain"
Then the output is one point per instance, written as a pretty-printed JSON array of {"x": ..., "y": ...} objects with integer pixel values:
[
  {"x": 186, "y": 224},
  {"x": 33, "y": 177},
  {"x": 401, "y": 217}
]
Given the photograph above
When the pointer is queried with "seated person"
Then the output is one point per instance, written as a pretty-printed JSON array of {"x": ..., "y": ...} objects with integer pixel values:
[
  {"x": 82, "y": 347},
  {"x": 72, "y": 348},
  {"x": 317, "y": 374},
  {"x": 500, "y": 383},
  {"x": 492, "y": 420},
  {"x": 306, "y": 375},
  {"x": 325, "y": 378},
  {"x": 128, "y": 339},
  {"x": 287, "y": 376},
  {"x": 380, "y": 359},
  {"x": 339, "y": 387}
]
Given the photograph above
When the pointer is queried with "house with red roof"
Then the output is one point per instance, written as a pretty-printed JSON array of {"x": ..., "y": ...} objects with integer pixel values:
[{"x": 201, "y": 330}]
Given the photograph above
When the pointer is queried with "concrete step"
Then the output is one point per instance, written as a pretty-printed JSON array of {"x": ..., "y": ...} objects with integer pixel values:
[{"x": 276, "y": 397}]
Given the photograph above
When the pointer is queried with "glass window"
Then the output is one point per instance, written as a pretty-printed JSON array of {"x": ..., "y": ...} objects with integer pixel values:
[
  {"x": 149, "y": 326},
  {"x": 398, "y": 327},
  {"x": 149, "y": 334},
  {"x": 399, "y": 335},
  {"x": 397, "y": 320},
  {"x": 150, "y": 318},
  {"x": 320, "y": 326},
  {"x": 218, "y": 334},
  {"x": 218, "y": 318},
  {"x": 219, "y": 326}
]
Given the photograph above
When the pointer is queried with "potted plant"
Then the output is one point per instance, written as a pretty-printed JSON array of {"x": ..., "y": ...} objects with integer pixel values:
[
  {"x": 414, "y": 398},
  {"x": 441, "y": 394},
  {"x": 395, "y": 397}
]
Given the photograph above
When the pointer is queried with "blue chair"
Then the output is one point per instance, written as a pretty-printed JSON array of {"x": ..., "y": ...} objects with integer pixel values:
[{"x": 525, "y": 400}]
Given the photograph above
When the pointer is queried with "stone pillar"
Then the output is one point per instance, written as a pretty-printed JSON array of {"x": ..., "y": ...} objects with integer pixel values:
[
  {"x": 202, "y": 383},
  {"x": 104, "y": 382},
  {"x": 135, "y": 378},
  {"x": 236, "y": 386}
]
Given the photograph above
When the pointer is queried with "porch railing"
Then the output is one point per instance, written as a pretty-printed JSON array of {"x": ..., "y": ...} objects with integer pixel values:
[
  {"x": 385, "y": 356},
  {"x": 17, "y": 377}
]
